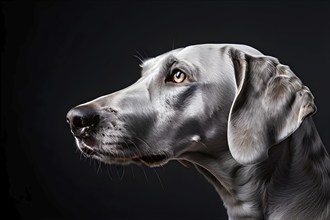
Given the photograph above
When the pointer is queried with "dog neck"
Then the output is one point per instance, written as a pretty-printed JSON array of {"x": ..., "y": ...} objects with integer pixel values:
[{"x": 297, "y": 166}]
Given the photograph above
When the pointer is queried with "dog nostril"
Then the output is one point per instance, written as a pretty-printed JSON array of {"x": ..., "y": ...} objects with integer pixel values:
[
  {"x": 82, "y": 117},
  {"x": 95, "y": 120},
  {"x": 77, "y": 121}
]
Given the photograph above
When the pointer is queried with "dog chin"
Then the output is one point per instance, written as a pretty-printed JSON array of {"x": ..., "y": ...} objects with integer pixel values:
[
  {"x": 131, "y": 160},
  {"x": 88, "y": 147}
]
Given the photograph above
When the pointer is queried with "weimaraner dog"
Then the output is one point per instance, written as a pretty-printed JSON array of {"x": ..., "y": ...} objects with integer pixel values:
[{"x": 240, "y": 117}]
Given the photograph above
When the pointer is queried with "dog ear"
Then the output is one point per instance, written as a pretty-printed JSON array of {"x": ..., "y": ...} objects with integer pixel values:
[{"x": 270, "y": 104}]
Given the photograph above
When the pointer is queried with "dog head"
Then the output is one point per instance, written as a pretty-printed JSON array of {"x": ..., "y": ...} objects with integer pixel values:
[{"x": 195, "y": 100}]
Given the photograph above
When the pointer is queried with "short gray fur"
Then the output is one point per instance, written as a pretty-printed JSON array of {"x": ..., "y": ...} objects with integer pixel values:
[{"x": 242, "y": 118}]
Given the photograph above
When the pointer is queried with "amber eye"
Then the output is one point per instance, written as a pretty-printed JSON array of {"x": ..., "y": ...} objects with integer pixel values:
[{"x": 178, "y": 76}]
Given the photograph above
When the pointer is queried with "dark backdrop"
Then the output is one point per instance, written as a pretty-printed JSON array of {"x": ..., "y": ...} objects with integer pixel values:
[{"x": 58, "y": 55}]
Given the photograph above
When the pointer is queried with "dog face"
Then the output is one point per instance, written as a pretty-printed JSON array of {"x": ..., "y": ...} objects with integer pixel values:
[
  {"x": 187, "y": 101},
  {"x": 173, "y": 108}
]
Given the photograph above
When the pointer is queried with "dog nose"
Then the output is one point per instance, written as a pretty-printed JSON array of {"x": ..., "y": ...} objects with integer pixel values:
[{"x": 82, "y": 117}]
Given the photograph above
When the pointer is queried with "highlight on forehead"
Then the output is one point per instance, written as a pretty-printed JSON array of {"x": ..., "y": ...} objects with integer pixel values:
[
  {"x": 161, "y": 61},
  {"x": 145, "y": 62},
  {"x": 160, "y": 58}
]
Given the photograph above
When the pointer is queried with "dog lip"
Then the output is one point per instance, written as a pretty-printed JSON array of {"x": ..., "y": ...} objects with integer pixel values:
[
  {"x": 152, "y": 159},
  {"x": 87, "y": 150},
  {"x": 89, "y": 141},
  {"x": 87, "y": 145}
]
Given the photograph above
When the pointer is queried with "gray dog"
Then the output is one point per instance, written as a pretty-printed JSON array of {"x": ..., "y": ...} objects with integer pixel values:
[{"x": 242, "y": 118}]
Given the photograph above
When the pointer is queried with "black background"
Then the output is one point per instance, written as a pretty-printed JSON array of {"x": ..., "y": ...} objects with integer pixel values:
[{"x": 57, "y": 55}]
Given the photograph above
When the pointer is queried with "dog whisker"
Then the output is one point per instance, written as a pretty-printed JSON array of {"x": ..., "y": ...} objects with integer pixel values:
[
  {"x": 138, "y": 153},
  {"x": 143, "y": 142},
  {"x": 158, "y": 177},
  {"x": 139, "y": 58},
  {"x": 132, "y": 172},
  {"x": 99, "y": 168},
  {"x": 145, "y": 174},
  {"x": 120, "y": 174},
  {"x": 109, "y": 175}
]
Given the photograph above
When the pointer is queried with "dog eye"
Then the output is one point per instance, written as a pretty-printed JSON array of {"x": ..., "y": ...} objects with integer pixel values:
[{"x": 178, "y": 76}]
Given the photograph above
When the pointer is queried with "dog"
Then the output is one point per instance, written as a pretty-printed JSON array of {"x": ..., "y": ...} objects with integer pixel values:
[{"x": 241, "y": 118}]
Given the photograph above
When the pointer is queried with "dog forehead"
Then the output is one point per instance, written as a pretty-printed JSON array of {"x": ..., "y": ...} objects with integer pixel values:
[
  {"x": 151, "y": 64},
  {"x": 203, "y": 51},
  {"x": 198, "y": 53},
  {"x": 205, "y": 56},
  {"x": 189, "y": 53}
]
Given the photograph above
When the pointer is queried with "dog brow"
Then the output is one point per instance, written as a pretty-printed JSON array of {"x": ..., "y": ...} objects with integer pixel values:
[{"x": 164, "y": 63}]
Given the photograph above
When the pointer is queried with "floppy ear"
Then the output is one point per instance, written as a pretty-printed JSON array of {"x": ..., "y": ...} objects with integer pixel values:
[{"x": 270, "y": 104}]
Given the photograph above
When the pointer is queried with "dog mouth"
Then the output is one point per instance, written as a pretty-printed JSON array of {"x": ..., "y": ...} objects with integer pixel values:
[
  {"x": 150, "y": 160},
  {"x": 89, "y": 147}
]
